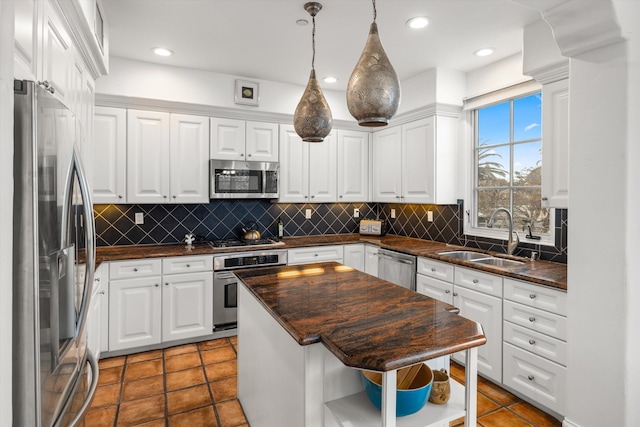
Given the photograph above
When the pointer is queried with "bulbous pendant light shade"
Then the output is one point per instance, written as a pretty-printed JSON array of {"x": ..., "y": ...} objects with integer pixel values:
[
  {"x": 373, "y": 92},
  {"x": 312, "y": 119}
]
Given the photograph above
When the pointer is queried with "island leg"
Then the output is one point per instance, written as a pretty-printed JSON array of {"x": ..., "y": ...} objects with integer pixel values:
[
  {"x": 389, "y": 398},
  {"x": 471, "y": 387}
]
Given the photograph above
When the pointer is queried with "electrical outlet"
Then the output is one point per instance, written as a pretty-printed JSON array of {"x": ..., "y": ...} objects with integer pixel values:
[
  {"x": 393, "y": 213},
  {"x": 139, "y": 217},
  {"x": 356, "y": 213},
  {"x": 307, "y": 213},
  {"x": 430, "y": 216}
]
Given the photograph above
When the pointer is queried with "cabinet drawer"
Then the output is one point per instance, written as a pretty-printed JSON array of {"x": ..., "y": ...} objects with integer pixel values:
[
  {"x": 536, "y": 296},
  {"x": 538, "y": 320},
  {"x": 434, "y": 288},
  {"x": 187, "y": 264},
  {"x": 535, "y": 377},
  {"x": 135, "y": 268},
  {"x": 535, "y": 342},
  {"x": 315, "y": 254},
  {"x": 435, "y": 269},
  {"x": 479, "y": 281}
]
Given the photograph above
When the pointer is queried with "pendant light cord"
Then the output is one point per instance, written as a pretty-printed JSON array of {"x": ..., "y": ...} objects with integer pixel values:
[
  {"x": 375, "y": 13},
  {"x": 313, "y": 42}
]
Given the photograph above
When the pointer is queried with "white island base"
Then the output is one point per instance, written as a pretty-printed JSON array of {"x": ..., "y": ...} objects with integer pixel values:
[{"x": 282, "y": 383}]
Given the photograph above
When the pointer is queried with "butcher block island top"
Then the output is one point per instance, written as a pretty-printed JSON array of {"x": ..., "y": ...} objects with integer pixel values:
[{"x": 366, "y": 322}]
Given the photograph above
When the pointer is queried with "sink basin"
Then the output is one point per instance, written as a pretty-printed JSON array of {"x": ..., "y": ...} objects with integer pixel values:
[
  {"x": 498, "y": 262},
  {"x": 465, "y": 255}
]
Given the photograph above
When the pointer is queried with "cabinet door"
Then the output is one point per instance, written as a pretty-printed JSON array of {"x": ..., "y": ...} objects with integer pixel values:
[
  {"x": 147, "y": 157},
  {"x": 486, "y": 310},
  {"x": 555, "y": 144},
  {"x": 57, "y": 53},
  {"x": 322, "y": 170},
  {"x": 434, "y": 288},
  {"x": 353, "y": 166},
  {"x": 134, "y": 312},
  {"x": 386, "y": 165},
  {"x": 418, "y": 161},
  {"x": 294, "y": 171},
  {"x": 187, "y": 306},
  {"x": 371, "y": 260},
  {"x": 262, "y": 142},
  {"x": 26, "y": 39},
  {"x": 227, "y": 139},
  {"x": 354, "y": 256},
  {"x": 109, "y": 154},
  {"x": 189, "y": 148}
]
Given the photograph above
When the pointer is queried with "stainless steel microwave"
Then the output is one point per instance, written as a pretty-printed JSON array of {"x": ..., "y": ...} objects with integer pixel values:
[{"x": 232, "y": 179}]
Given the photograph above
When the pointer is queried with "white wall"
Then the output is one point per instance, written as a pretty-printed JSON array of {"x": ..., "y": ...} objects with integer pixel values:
[
  {"x": 152, "y": 81},
  {"x": 497, "y": 75},
  {"x": 6, "y": 209}
]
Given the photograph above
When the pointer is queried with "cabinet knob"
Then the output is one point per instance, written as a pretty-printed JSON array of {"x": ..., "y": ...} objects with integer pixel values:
[
  {"x": 166, "y": 284},
  {"x": 135, "y": 269},
  {"x": 433, "y": 269},
  {"x": 174, "y": 196},
  {"x": 397, "y": 197},
  {"x": 249, "y": 155},
  {"x": 164, "y": 197},
  {"x": 156, "y": 285},
  {"x": 341, "y": 196},
  {"x": 475, "y": 281},
  {"x": 313, "y": 196},
  {"x": 532, "y": 319},
  {"x": 119, "y": 196},
  {"x": 531, "y": 378},
  {"x": 544, "y": 199},
  {"x": 101, "y": 292},
  {"x": 532, "y": 342},
  {"x": 97, "y": 279},
  {"x": 447, "y": 291},
  {"x": 315, "y": 254},
  {"x": 188, "y": 265},
  {"x": 532, "y": 296},
  {"x": 241, "y": 155},
  {"x": 455, "y": 294}
]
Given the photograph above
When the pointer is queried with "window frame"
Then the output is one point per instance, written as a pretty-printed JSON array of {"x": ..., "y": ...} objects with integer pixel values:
[{"x": 470, "y": 227}]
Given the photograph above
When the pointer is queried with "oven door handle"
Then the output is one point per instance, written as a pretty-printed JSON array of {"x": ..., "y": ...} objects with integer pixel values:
[{"x": 224, "y": 275}]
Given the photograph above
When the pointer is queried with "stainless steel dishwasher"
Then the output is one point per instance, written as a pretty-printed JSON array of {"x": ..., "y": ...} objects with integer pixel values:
[{"x": 398, "y": 268}]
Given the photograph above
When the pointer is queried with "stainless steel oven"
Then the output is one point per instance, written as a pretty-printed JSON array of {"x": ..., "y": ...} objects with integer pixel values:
[
  {"x": 243, "y": 180},
  {"x": 225, "y": 283}
]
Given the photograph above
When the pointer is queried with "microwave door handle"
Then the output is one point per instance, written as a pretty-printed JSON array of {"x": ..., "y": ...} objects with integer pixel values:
[
  {"x": 264, "y": 181},
  {"x": 89, "y": 228}
]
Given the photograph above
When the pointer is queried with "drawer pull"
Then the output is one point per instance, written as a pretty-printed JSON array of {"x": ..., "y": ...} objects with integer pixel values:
[
  {"x": 135, "y": 269},
  {"x": 448, "y": 292},
  {"x": 532, "y": 319},
  {"x": 475, "y": 280},
  {"x": 166, "y": 284},
  {"x": 433, "y": 269},
  {"x": 156, "y": 285},
  {"x": 315, "y": 254},
  {"x": 532, "y": 342},
  {"x": 531, "y": 378},
  {"x": 532, "y": 296},
  {"x": 188, "y": 265},
  {"x": 455, "y": 294},
  {"x": 97, "y": 279}
]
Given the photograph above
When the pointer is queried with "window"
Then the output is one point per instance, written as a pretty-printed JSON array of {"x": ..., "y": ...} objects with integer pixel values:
[{"x": 507, "y": 157}]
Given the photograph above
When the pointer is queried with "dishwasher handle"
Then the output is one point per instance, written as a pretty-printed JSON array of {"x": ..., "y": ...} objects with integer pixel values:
[{"x": 401, "y": 260}]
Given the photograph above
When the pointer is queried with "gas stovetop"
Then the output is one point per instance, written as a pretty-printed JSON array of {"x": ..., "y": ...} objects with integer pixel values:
[{"x": 234, "y": 243}]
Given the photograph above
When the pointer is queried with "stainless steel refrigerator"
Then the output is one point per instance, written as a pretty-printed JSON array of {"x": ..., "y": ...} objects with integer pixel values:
[{"x": 54, "y": 374}]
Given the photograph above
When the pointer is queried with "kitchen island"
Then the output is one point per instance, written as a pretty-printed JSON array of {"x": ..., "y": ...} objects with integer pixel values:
[{"x": 305, "y": 332}]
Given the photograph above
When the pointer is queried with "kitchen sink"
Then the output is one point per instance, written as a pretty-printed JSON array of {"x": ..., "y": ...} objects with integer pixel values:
[
  {"x": 497, "y": 262},
  {"x": 465, "y": 255}
]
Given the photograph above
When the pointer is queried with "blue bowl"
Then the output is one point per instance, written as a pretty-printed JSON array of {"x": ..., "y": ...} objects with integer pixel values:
[{"x": 408, "y": 401}]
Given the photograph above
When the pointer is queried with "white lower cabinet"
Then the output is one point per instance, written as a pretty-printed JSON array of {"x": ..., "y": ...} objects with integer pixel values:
[
  {"x": 371, "y": 260},
  {"x": 354, "y": 256},
  {"x": 98, "y": 315},
  {"x": 147, "y": 307},
  {"x": 315, "y": 254}
]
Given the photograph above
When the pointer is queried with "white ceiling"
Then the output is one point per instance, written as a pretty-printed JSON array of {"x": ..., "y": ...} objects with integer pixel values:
[{"x": 260, "y": 39}]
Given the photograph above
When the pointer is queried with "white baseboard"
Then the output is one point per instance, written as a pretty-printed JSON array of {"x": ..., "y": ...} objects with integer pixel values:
[{"x": 569, "y": 423}]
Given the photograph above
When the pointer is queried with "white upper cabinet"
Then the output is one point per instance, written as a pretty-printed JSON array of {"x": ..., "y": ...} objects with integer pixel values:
[
  {"x": 353, "y": 166},
  {"x": 416, "y": 162},
  {"x": 189, "y": 150},
  {"x": 167, "y": 158},
  {"x": 26, "y": 39},
  {"x": 244, "y": 140},
  {"x": 307, "y": 170},
  {"x": 147, "y": 157},
  {"x": 555, "y": 144},
  {"x": 57, "y": 53},
  {"x": 109, "y": 181}
]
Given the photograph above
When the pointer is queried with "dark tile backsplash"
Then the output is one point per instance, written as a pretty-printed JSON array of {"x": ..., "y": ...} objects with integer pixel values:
[{"x": 115, "y": 224}]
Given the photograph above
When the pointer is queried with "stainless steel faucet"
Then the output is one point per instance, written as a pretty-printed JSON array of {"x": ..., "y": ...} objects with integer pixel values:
[{"x": 512, "y": 243}]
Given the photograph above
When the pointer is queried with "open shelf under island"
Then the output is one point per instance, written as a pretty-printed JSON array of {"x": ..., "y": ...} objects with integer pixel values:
[{"x": 306, "y": 331}]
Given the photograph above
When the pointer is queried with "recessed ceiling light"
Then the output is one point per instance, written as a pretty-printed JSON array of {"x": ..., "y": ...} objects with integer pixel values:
[
  {"x": 161, "y": 51},
  {"x": 418, "y": 22},
  {"x": 330, "y": 79},
  {"x": 302, "y": 22},
  {"x": 486, "y": 51}
]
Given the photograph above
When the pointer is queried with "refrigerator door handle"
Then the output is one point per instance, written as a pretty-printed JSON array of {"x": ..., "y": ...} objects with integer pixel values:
[{"x": 90, "y": 242}]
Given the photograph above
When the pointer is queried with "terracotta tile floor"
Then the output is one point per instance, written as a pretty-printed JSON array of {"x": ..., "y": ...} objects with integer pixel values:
[
  {"x": 196, "y": 385},
  {"x": 188, "y": 385},
  {"x": 499, "y": 408}
]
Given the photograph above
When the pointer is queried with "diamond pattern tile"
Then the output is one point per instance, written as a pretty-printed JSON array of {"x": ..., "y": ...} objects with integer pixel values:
[{"x": 115, "y": 224}]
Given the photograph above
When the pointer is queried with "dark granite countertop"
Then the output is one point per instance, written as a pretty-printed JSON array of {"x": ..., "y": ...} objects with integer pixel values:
[
  {"x": 364, "y": 321},
  {"x": 545, "y": 273}
]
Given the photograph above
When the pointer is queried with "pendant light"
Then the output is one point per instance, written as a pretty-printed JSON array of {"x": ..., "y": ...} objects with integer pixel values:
[
  {"x": 312, "y": 119},
  {"x": 373, "y": 92}
]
